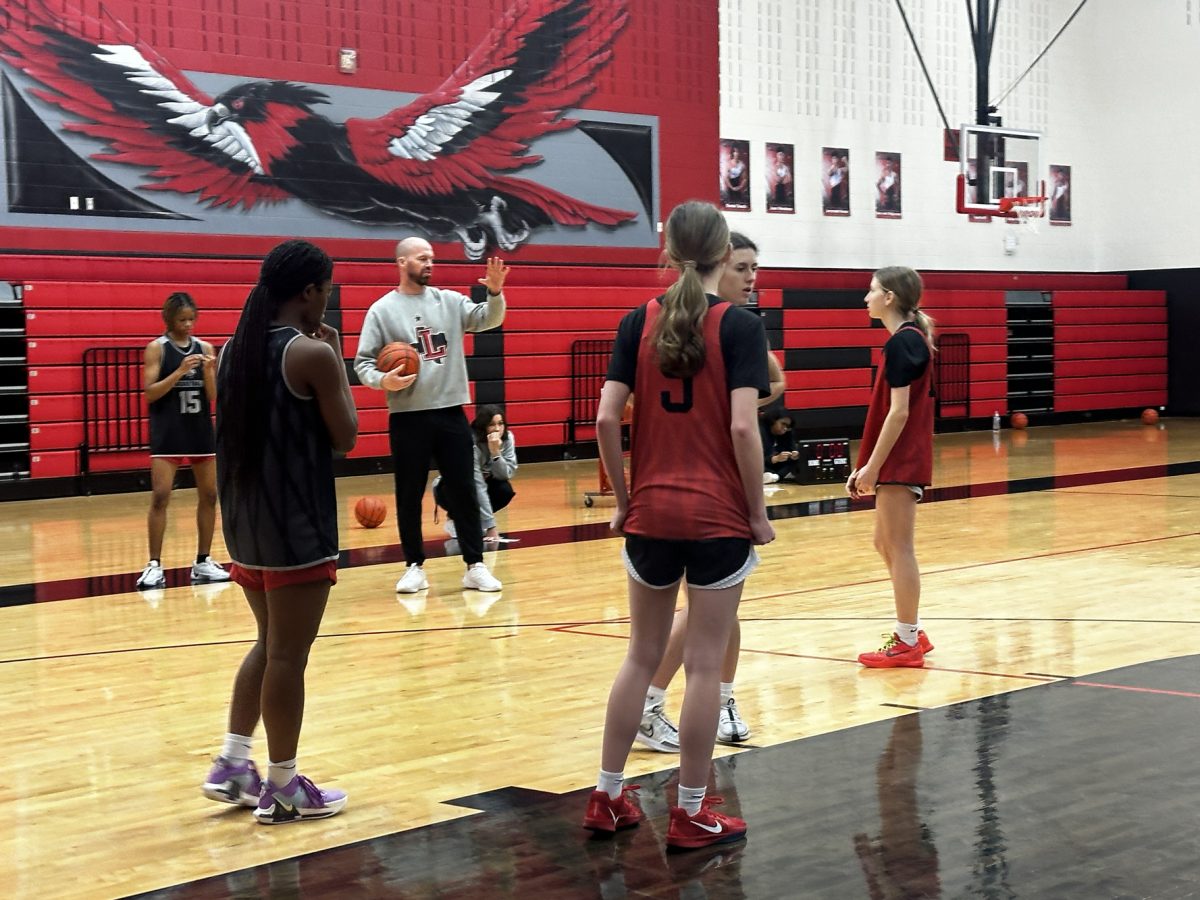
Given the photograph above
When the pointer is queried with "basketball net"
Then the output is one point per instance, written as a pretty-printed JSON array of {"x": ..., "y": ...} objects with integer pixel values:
[{"x": 1027, "y": 211}]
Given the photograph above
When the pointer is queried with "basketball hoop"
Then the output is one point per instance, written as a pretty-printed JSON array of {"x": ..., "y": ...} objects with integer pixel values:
[{"x": 1023, "y": 210}]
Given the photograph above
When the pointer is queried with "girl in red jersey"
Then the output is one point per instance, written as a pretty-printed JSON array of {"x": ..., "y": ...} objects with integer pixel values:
[
  {"x": 698, "y": 366},
  {"x": 895, "y": 459}
]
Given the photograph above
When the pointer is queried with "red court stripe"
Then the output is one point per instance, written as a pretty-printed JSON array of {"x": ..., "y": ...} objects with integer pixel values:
[{"x": 1140, "y": 690}]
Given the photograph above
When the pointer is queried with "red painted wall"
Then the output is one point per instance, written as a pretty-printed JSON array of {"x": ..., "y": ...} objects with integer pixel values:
[{"x": 664, "y": 64}]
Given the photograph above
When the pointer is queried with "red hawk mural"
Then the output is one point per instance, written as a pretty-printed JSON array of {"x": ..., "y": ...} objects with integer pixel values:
[{"x": 441, "y": 165}]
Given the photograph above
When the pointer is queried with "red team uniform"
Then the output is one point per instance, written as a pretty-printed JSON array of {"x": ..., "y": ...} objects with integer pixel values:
[
  {"x": 684, "y": 480},
  {"x": 905, "y": 361}
]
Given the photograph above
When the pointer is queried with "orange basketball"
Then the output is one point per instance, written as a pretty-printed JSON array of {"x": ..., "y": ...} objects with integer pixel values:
[
  {"x": 1149, "y": 416},
  {"x": 370, "y": 512},
  {"x": 399, "y": 355},
  {"x": 1020, "y": 420}
]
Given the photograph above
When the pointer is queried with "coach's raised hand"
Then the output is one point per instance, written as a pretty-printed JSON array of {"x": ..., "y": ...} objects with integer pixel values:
[{"x": 497, "y": 272}]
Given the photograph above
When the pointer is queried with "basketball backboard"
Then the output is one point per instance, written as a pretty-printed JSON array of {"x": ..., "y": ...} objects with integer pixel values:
[{"x": 994, "y": 164}]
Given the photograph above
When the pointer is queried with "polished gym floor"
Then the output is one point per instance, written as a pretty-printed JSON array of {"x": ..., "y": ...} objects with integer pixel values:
[{"x": 1047, "y": 750}]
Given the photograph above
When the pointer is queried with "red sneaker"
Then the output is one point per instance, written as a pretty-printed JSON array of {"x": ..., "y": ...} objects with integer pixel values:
[
  {"x": 894, "y": 654},
  {"x": 608, "y": 815},
  {"x": 704, "y": 828},
  {"x": 923, "y": 642}
]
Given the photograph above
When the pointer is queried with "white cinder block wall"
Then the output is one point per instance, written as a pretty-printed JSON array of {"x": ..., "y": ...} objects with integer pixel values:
[{"x": 1114, "y": 99}]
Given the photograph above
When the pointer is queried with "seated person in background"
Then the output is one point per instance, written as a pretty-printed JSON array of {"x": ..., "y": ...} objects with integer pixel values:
[
  {"x": 495, "y": 465},
  {"x": 780, "y": 456}
]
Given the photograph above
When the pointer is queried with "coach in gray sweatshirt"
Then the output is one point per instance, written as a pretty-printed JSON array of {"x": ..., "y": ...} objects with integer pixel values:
[{"x": 426, "y": 421}]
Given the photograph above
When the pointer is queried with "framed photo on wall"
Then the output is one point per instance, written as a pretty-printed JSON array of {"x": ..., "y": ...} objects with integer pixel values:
[
  {"x": 887, "y": 185},
  {"x": 835, "y": 181},
  {"x": 1058, "y": 192},
  {"x": 781, "y": 188},
  {"x": 735, "y": 174}
]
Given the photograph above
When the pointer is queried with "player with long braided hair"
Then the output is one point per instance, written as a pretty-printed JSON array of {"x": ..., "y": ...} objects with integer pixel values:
[{"x": 284, "y": 408}]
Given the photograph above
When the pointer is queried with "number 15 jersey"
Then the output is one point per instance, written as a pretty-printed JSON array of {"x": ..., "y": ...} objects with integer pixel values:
[{"x": 181, "y": 420}]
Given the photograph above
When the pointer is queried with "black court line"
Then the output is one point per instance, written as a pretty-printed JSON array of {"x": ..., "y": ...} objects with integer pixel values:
[
  {"x": 573, "y": 628},
  {"x": 1048, "y": 675},
  {"x": 121, "y": 583},
  {"x": 553, "y": 626}
]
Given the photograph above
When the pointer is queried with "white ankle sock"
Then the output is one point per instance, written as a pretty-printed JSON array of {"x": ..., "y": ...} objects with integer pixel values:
[
  {"x": 611, "y": 783},
  {"x": 691, "y": 799},
  {"x": 236, "y": 747},
  {"x": 280, "y": 773},
  {"x": 907, "y": 633},
  {"x": 726, "y": 691},
  {"x": 655, "y": 696}
]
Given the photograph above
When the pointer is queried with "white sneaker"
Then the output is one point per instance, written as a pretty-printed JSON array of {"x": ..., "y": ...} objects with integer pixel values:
[
  {"x": 208, "y": 572},
  {"x": 657, "y": 731},
  {"x": 412, "y": 580},
  {"x": 730, "y": 727},
  {"x": 770, "y": 478},
  {"x": 478, "y": 578},
  {"x": 152, "y": 576}
]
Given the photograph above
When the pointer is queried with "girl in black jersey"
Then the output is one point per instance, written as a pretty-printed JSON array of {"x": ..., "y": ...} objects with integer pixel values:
[
  {"x": 283, "y": 410},
  {"x": 177, "y": 375}
]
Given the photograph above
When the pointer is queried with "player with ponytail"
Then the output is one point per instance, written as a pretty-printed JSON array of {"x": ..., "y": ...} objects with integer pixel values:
[{"x": 694, "y": 508}]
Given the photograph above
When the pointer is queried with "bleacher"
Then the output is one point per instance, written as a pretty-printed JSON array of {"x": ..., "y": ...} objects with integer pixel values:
[{"x": 1109, "y": 343}]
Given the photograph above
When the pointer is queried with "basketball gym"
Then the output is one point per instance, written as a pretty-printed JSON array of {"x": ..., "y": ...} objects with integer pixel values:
[{"x": 1026, "y": 156}]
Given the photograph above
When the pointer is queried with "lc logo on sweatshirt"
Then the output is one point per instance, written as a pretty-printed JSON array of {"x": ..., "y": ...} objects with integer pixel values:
[{"x": 430, "y": 344}]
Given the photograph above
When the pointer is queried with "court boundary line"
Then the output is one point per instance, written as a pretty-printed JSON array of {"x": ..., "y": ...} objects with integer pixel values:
[
  {"x": 573, "y": 628},
  {"x": 358, "y": 557}
]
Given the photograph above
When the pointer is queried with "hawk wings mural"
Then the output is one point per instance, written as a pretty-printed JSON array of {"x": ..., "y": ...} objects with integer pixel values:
[{"x": 443, "y": 165}]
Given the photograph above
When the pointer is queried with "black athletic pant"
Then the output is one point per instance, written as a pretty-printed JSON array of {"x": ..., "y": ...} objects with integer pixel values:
[{"x": 443, "y": 436}]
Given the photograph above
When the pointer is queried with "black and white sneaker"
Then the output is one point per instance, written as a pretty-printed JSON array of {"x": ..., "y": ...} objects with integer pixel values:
[
  {"x": 152, "y": 576},
  {"x": 208, "y": 572},
  {"x": 657, "y": 731}
]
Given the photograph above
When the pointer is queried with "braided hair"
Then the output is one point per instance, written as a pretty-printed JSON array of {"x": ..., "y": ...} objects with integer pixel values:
[{"x": 242, "y": 393}]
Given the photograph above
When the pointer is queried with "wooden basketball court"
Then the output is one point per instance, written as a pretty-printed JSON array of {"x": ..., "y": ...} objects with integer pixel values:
[{"x": 1049, "y": 556}]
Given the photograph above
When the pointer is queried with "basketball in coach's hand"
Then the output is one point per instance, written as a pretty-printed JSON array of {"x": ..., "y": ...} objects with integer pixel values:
[
  {"x": 370, "y": 512},
  {"x": 399, "y": 354},
  {"x": 1020, "y": 420},
  {"x": 1149, "y": 416}
]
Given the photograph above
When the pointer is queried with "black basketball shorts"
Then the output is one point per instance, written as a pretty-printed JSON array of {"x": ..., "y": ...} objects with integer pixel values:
[{"x": 712, "y": 564}]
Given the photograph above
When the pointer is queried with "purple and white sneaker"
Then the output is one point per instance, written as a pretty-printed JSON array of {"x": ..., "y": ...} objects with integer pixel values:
[
  {"x": 237, "y": 783},
  {"x": 298, "y": 799}
]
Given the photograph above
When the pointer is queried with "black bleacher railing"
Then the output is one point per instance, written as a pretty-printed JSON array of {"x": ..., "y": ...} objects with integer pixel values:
[
  {"x": 952, "y": 376},
  {"x": 589, "y": 365},
  {"x": 114, "y": 406}
]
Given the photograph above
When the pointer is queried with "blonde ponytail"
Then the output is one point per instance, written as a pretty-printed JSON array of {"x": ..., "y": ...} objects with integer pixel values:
[{"x": 697, "y": 240}]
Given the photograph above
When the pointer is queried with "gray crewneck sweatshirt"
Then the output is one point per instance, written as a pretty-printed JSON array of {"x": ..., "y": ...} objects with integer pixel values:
[{"x": 434, "y": 322}]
